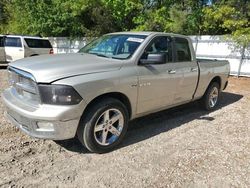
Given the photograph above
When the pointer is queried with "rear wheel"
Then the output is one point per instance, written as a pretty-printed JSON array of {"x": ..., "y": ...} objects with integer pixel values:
[
  {"x": 211, "y": 97},
  {"x": 104, "y": 126}
]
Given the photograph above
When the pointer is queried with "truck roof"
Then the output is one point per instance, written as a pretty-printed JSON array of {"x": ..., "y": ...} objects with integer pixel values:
[{"x": 147, "y": 33}]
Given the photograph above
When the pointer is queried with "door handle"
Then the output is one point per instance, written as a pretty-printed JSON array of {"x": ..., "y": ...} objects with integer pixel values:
[
  {"x": 193, "y": 69},
  {"x": 171, "y": 71},
  {"x": 20, "y": 50}
]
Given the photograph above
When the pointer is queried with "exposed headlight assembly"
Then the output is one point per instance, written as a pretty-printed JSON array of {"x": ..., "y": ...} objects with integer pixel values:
[{"x": 59, "y": 94}]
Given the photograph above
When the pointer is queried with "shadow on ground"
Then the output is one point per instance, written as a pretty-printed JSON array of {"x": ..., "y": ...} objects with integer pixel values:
[{"x": 151, "y": 125}]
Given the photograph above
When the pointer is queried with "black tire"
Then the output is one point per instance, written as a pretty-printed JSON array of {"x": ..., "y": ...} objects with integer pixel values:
[
  {"x": 205, "y": 101},
  {"x": 85, "y": 131}
]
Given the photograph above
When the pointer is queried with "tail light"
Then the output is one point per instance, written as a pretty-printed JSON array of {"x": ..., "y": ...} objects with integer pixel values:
[{"x": 51, "y": 51}]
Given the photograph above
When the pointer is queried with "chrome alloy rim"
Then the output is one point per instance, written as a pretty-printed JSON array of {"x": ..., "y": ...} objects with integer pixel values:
[
  {"x": 108, "y": 127},
  {"x": 213, "y": 97}
]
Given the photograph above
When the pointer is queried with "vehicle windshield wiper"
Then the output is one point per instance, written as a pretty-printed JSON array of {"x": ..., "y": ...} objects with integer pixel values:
[
  {"x": 100, "y": 55},
  {"x": 117, "y": 58}
]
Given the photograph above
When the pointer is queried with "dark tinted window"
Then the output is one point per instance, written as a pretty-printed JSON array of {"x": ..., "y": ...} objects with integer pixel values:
[
  {"x": 182, "y": 50},
  {"x": 13, "y": 42},
  {"x": 161, "y": 44},
  {"x": 1, "y": 42},
  {"x": 37, "y": 43}
]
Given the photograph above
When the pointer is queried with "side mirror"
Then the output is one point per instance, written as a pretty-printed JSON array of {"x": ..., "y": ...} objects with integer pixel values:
[{"x": 154, "y": 59}]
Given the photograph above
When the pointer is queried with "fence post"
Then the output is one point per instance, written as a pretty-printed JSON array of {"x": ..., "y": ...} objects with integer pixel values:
[
  {"x": 56, "y": 45},
  {"x": 241, "y": 59},
  {"x": 196, "y": 43},
  {"x": 70, "y": 42}
]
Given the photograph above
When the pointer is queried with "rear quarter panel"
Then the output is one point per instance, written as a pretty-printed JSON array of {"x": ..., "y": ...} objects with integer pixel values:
[{"x": 209, "y": 69}]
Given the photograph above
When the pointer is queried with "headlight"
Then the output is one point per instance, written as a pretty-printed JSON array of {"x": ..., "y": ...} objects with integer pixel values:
[{"x": 59, "y": 95}]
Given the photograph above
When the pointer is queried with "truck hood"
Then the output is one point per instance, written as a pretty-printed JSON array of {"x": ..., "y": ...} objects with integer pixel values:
[{"x": 49, "y": 68}]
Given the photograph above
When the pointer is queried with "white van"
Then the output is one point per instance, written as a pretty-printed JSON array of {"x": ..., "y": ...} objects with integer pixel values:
[{"x": 17, "y": 47}]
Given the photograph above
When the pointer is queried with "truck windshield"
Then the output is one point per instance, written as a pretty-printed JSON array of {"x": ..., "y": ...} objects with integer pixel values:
[{"x": 114, "y": 46}]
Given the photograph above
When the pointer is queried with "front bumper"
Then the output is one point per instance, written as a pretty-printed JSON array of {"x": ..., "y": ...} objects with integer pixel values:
[{"x": 64, "y": 119}]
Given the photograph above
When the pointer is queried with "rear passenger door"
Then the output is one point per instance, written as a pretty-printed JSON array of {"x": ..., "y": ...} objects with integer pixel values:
[
  {"x": 186, "y": 65},
  {"x": 13, "y": 48},
  {"x": 2, "y": 51}
]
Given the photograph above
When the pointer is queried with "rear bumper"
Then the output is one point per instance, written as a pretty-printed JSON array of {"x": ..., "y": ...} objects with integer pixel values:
[{"x": 44, "y": 121}]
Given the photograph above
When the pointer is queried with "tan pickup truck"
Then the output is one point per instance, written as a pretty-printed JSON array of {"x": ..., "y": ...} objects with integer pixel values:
[{"x": 93, "y": 94}]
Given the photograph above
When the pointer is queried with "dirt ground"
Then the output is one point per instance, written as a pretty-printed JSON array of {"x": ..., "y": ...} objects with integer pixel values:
[{"x": 181, "y": 147}]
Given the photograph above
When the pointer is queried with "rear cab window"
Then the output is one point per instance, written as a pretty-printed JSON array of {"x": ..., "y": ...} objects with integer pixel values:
[
  {"x": 182, "y": 50},
  {"x": 13, "y": 42},
  {"x": 37, "y": 43}
]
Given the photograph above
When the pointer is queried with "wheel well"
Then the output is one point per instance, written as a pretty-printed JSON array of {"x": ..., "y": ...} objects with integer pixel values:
[
  {"x": 116, "y": 95},
  {"x": 216, "y": 79}
]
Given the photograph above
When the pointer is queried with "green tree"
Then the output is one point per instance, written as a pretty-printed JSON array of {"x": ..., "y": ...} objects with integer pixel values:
[
  {"x": 170, "y": 16},
  {"x": 75, "y": 18},
  {"x": 3, "y": 16},
  {"x": 59, "y": 17},
  {"x": 123, "y": 12},
  {"x": 231, "y": 18},
  {"x": 45, "y": 17},
  {"x": 222, "y": 19}
]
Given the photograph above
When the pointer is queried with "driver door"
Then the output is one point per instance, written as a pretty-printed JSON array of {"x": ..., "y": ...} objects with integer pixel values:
[{"x": 157, "y": 82}]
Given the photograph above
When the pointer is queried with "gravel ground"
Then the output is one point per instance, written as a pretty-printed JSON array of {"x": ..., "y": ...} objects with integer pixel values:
[{"x": 182, "y": 147}]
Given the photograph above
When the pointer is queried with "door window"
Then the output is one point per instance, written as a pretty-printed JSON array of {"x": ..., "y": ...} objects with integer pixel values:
[
  {"x": 37, "y": 43},
  {"x": 13, "y": 42},
  {"x": 182, "y": 50},
  {"x": 162, "y": 44}
]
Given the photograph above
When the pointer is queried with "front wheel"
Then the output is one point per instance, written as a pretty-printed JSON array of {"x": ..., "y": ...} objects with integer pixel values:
[
  {"x": 104, "y": 126},
  {"x": 211, "y": 97}
]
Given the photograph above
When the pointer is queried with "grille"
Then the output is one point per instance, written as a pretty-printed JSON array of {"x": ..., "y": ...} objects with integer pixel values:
[{"x": 23, "y": 86}]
